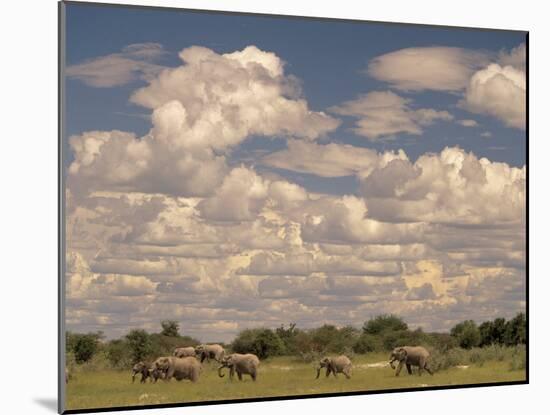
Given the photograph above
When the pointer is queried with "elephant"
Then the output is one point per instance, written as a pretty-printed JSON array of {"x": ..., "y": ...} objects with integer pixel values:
[
  {"x": 210, "y": 351},
  {"x": 184, "y": 352},
  {"x": 179, "y": 368},
  {"x": 410, "y": 356},
  {"x": 142, "y": 368},
  {"x": 334, "y": 365},
  {"x": 243, "y": 364}
]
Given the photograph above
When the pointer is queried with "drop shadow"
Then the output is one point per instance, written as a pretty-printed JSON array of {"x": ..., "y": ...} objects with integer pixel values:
[{"x": 48, "y": 403}]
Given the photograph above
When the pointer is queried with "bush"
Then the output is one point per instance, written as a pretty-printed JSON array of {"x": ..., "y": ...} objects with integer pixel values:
[
  {"x": 139, "y": 345},
  {"x": 170, "y": 328},
  {"x": 367, "y": 343},
  {"x": 519, "y": 358},
  {"x": 515, "y": 330},
  {"x": 83, "y": 346},
  {"x": 261, "y": 342},
  {"x": 467, "y": 334},
  {"x": 118, "y": 354},
  {"x": 383, "y": 323}
]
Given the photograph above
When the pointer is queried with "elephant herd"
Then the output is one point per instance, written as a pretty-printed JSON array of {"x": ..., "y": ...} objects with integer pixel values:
[{"x": 186, "y": 363}]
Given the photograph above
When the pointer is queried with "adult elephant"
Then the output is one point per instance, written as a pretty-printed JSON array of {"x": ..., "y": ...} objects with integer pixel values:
[
  {"x": 410, "y": 356},
  {"x": 243, "y": 364},
  {"x": 184, "y": 352},
  {"x": 179, "y": 368},
  {"x": 210, "y": 351},
  {"x": 334, "y": 365}
]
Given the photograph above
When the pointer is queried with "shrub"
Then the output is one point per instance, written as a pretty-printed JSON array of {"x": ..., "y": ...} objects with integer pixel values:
[
  {"x": 83, "y": 346},
  {"x": 139, "y": 345},
  {"x": 384, "y": 322},
  {"x": 519, "y": 358},
  {"x": 118, "y": 354},
  {"x": 170, "y": 328},
  {"x": 467, "y": 334},
  {"x": 515, "y": 330},
  {"x": 367, "y": 343},
  {"x": 262, "y": 342}
]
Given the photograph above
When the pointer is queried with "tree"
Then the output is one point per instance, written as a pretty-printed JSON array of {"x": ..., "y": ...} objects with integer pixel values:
[
  {"x": 384, "y": 322},
  {"x": 516, "y": 330},
  {"x": 467, "y": 334},
  {"x": 498, "y": 329},
  {"x": 139, "y": 345},
  {"x": 83, "y": 346},
  {"x": 367, "y": 343},
  {"x": 261, "y": 342},
  {"x": 486, "y": 333},
  {"x": 117, "y": 353},
  {"x": 170, "y": 328}
]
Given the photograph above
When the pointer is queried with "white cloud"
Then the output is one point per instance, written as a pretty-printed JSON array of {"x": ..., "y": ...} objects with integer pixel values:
[
  {"x": 451, "y": 187},
  {"x": 517, "y": 57},
  {"x": 132, "y": 63},
  {"x": 468, "y": 123},
  {"x": 499, "y": 91},
  {"x": 219, "y": 100},
  {"x": 435, "y": 68},
  {"x": 330, "y": 160},
  {"x": 384, "y": 113}
]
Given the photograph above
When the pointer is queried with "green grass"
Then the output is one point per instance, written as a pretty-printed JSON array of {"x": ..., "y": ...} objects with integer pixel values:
[{"x": 277, "y": 377}]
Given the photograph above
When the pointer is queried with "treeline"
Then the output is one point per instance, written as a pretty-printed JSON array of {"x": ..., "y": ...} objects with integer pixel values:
[{"x": 379, "y": 334}]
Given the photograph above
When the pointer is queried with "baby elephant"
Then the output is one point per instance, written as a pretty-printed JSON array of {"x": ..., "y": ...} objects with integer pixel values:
[
  {"x": 410, "y": 356},
  {"x": 334, "y": 365},
  {"x": 142, "y": 368},
  {"x": 243, "y": 364}
]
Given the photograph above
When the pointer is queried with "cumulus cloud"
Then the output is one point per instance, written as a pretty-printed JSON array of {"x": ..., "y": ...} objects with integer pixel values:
[
  {"x": 499, "y": 91},
  {"x": 427, "y": 68},
  {"x": 200, "y": 110},
  {"x": 330, "y": 160},
  {"x": 450, "y": 187},
  {"x": 517, "y": 57},
  {"x": 219, "y": 100},
  {"x": 384, "y": 113},
  {"x": 134, "y": 62}
]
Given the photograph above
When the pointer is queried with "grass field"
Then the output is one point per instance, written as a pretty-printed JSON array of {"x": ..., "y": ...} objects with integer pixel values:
[{"x": 281, "y": 376}]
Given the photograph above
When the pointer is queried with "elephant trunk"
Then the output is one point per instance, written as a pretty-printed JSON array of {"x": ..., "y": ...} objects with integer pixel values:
[
  {"x": 133, "y": 377},
  {"x": 220, "y": 374},
  {"x": 318, "y": 372},
  {"x": 391, "y": 363}
]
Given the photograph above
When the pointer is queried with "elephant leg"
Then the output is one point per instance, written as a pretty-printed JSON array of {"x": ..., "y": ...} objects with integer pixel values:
[
  {"x": 346, "y": 373},
  {"x": 169, "y": 373},
  {"x": 231, "y": 373},
  {"x": 399, "y": 367},
  {"x": 409, "y": 370},
  {"x": 240, "y": 375},
  {"x": 253, "y": 375},
  {"x": 428, "y": 369}
]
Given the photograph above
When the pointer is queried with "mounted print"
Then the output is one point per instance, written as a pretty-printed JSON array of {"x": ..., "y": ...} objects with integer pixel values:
[{"x": 258, "y": 207}]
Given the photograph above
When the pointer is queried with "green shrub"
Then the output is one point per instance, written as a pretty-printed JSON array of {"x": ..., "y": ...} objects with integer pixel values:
[
  {"x": 367, "y": 343},
  {"x": 519, "y": 358},
  {"x": 83, "y": 346},
  {"x": 384, "y": 322},
  {"x": 139, "y": 345},
  {"x": 262, "y": 342},
  {"x": 467, "y": 334}
]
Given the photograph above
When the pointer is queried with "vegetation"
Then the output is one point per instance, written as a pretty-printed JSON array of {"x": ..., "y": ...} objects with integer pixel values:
[
  {"x": 379, "y": 334},
  {"x": 278, "y": 376}
]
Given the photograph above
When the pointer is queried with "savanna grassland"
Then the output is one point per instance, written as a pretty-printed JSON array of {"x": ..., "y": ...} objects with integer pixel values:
[{"x": 286, "y": 376}]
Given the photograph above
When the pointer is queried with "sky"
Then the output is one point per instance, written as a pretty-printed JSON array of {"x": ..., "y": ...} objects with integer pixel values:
[{"x": 231, "y": 171}]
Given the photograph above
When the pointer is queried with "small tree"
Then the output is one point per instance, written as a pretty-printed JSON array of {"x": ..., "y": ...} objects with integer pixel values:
[
  {"x": 516, "y": 330},
  {"x": 486, "y": 333},
  {"x": 170, "y": 328},
  {"x": 139, "y": 344},
  {"x": 384, "y": 322},
  {"x": 467, "y": 334},
  {"x": 83, "y": 346},
  {"x": 261, "y": 342}
]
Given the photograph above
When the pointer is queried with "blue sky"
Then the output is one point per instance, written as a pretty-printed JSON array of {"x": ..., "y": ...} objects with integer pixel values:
[{"x": 329, "y": 57}]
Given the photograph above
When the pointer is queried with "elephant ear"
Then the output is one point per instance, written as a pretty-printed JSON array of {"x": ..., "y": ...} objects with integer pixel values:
[{"x": 403, "y": 352}]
